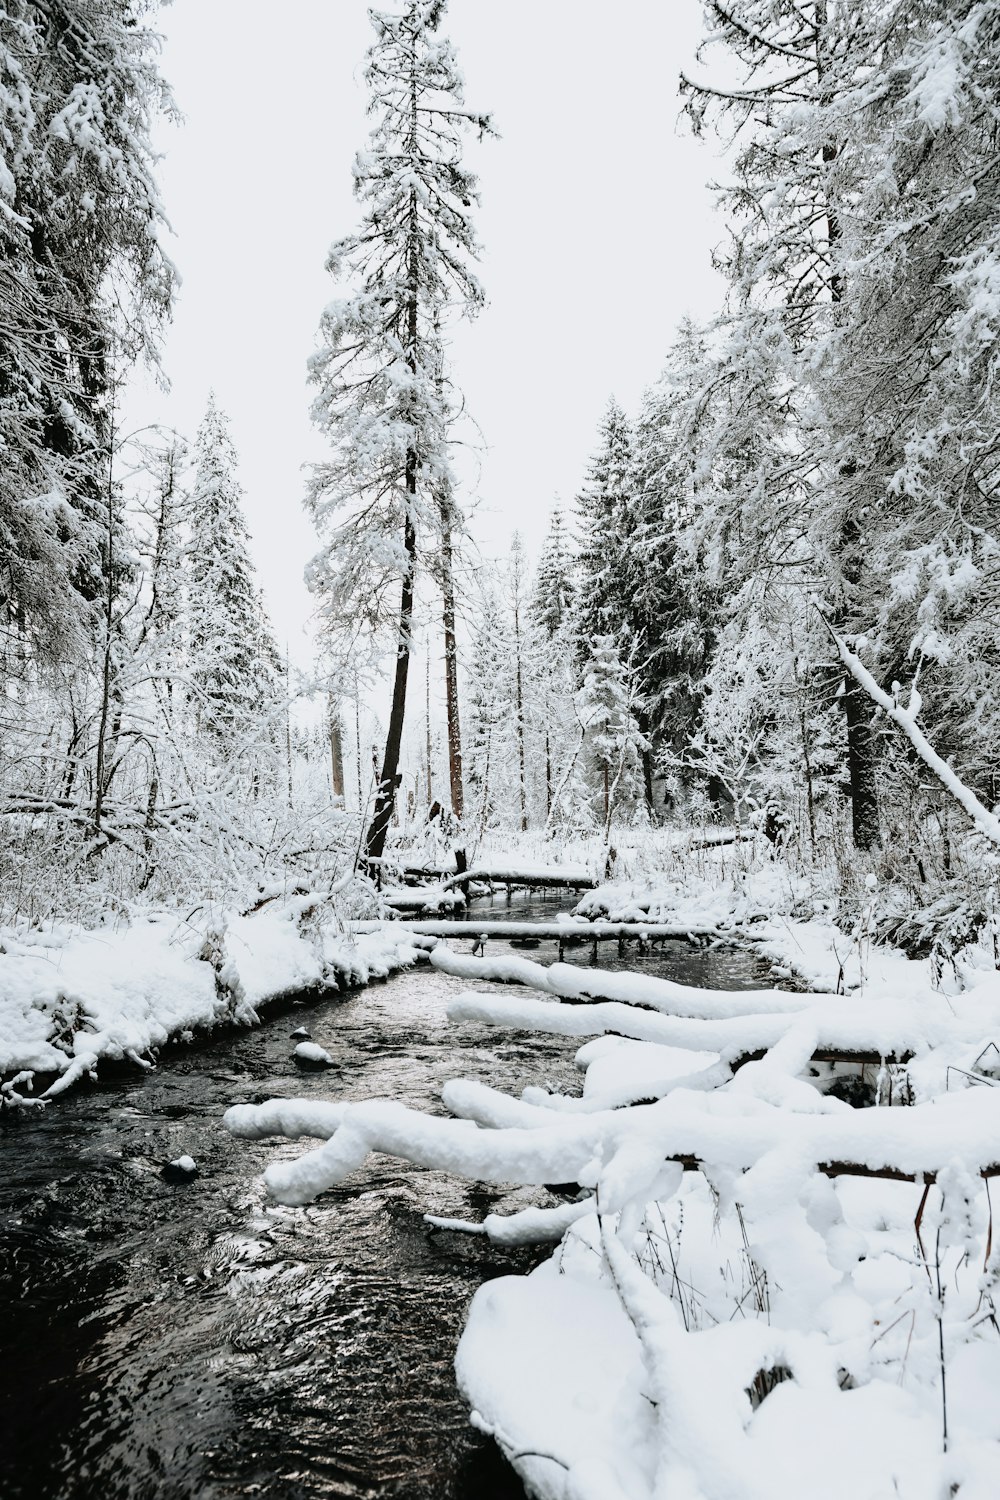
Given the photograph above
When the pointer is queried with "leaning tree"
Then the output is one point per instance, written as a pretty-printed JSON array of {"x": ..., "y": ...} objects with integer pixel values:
[{"x": 380, "y": 397}]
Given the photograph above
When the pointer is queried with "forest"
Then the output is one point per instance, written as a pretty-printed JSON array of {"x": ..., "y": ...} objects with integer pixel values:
[{"x": 735, "y": 720}]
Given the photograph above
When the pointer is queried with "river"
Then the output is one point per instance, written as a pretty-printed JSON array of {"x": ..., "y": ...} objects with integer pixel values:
[{"x": 178, "y": 1340}]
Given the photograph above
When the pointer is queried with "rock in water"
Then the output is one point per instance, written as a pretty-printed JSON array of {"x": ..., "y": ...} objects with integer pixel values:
[
  {"x": 183, "y": 1169},
  {"x": 308, "y": 1055}
]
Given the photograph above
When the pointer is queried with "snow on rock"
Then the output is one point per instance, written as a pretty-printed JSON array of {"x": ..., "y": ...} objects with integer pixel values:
[
  {"x": 312, "y": 1055},
  {"x": 182, "y": 1169},
  {"x": 70, "y": 997}
]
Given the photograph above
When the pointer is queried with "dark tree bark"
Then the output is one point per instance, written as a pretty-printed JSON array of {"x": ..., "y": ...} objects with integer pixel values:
[
  {"x": 861, "y": 762},
  {"x": 385, "y": 797},
  {"x": 451, "y": 667}
]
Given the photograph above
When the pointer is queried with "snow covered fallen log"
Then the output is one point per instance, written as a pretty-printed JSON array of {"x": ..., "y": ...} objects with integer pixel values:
[
  {"x": 529, "y": 1226},
  {"x": 643, "y": 990},
  {"x": 526, "y": 875},
  {"x": 623, "y": 1154},
  {"x": 894, "y": 1030},
  {"x": 569, "y": 930}
]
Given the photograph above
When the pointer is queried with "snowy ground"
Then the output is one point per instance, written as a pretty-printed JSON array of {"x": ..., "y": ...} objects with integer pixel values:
[
  {"x": 70, "y": 997},
  {"x": 756, "y": 1292}
]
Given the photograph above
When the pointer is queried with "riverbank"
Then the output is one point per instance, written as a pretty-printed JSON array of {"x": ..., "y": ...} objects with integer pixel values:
[
  {"x": 72, "y": 998},
  {"x": 762, "y": 1272}
]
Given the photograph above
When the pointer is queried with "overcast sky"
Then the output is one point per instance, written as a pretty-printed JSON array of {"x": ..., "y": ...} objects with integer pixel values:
[{"x": 596, "y": 224}]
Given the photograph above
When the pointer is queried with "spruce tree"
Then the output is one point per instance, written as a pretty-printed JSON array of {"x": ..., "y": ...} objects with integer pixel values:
[
  {"x": 379, "y": 398},
  {"x": 603, "y": 501},
  {"x": 231, "y": 651},
  {"x": 555, "y": 586},
  {"x": 83, "y": 284},
  {"x": 605, "y": 705}
]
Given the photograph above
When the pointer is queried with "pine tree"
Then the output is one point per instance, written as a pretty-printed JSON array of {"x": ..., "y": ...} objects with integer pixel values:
[
  {"x": 232, "y": 655},
  {"x": 605, "y": 705},
  {"x": 551, "y": 616},
  {"x": 793, "y": 111},
  {"x": 868, "y": 190},
  {"x": 83, "y": 284},
  {"x": 604, "y": 499},
  {"x": 673, "y": 605},
  {"x": 555, "y": 585},
  {"x": 380, "y": 398}
]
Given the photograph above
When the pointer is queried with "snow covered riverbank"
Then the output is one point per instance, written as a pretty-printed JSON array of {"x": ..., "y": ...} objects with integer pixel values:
[
  {"x": 70, "y": 997},
  {"x": 754, "y": 1274}
]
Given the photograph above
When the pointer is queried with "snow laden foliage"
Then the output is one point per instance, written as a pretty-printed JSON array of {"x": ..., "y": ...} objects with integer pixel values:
[
  {"x": 525, "y": 762},
  {"x": 84, "y": 284},
  {"x": 381, "y": 394},
  {"x": 235, "y": 666},
  {"x": 606, "y": 709},
  {"x": 602, "y": 505},
  {"x": 841, "y": 429},
  {"x": 162, "y": 765}
]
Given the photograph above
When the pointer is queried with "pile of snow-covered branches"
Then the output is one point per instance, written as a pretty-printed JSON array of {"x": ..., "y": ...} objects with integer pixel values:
[{"x": 751, "y": 1276}]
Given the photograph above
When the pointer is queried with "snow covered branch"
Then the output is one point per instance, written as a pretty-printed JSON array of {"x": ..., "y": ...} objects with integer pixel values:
[{"x": 985, "y": 821}]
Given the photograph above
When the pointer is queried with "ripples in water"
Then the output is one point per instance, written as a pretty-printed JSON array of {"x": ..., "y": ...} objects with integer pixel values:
[{"x": 188, "y": 1340}]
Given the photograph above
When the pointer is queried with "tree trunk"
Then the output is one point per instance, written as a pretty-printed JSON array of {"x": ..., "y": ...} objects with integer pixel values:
[
  {"x": 385, "y": 797},
  {"x": 451, "y": 668},
  {"x": 336, "y": 751},
  {"x": 429, "y": 749},
  {"x": 520, "y": 718},
  {"x": 548, "y": 776},
  {"x": 860, "y": 736},
  {"x": 646, "y": 756},
  {"x": 861, "y": 757}
]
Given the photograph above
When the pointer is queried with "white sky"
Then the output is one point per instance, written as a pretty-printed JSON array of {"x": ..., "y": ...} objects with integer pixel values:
[{"x": 596, "y": 225}]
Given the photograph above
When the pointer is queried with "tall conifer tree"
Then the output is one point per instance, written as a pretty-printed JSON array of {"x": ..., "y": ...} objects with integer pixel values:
[{"x": 379, "y": 394}]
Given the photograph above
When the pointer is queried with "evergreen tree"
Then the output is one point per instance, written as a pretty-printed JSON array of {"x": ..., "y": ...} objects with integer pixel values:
[
  {"x": 603, "y": 502},
  {"x": 83, "y": 284},
  {"x": 555, "y": 586},
  {"x": 672, "y": 603},
  {"x": 792, "y": 112},
  {"x": 380, "y": 398},
  {"x": 605, "y": 705},
  {"x": 553, "y": 675},
  {"x": 866, "y": 230},
  {"x": 231, "y": 650}
]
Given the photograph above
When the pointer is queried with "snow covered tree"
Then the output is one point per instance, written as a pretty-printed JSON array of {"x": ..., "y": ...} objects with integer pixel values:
[
  {"x": 233, "y": 660},
  {"x": 790, "y": 112},
  {"x": 489, "y": 718},
  {"x": 605, "y": 704},
  {"x": 379, "y": 396},
  {"x": 553, "y": 658},
  {"x": 866, "y": 213},
  {"x": 673, "y": 602},
  {"x": 555, "y": 584},
  {"x": 83, "y": 284},
  {"x": 603, "y": 500}
]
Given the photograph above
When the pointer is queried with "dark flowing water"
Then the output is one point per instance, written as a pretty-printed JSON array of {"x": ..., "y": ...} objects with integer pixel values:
[{"x": 194, "y": 1340}]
